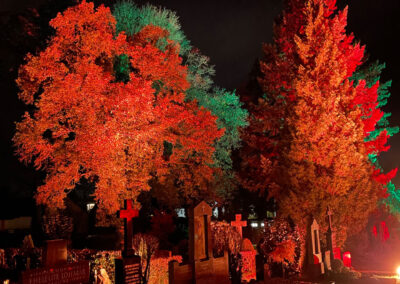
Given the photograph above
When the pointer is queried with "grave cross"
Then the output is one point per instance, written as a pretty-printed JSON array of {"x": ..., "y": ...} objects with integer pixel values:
[
  {"x": 128, "y": 214},
  {"x": 238, "y": 223}
]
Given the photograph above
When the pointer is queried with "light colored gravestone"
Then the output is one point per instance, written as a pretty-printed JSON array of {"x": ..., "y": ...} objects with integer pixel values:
[
  {"x": 315, "y": 255},
  {"x": 202, "y": 268},
  {"x": 201, "y": 238}
]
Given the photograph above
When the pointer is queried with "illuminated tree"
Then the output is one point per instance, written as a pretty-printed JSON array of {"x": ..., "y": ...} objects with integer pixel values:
[
  {"x": 85, "y": 123},
  {"x": 312, "y": 123},
  {"x": 377, "y": 138},
  {"x": 223, "y": 104}
]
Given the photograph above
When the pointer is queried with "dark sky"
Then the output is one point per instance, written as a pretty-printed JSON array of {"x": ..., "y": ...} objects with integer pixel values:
[{"x": 230, "y": 32}]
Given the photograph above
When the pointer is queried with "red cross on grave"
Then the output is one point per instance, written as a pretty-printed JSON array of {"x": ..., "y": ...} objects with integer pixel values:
[
  {"x": 128, "y": 214},
  {"x": 238, "y": 223}
]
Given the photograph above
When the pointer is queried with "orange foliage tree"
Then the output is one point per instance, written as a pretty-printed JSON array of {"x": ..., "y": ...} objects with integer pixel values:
[
  {"x": 315, "y": 121},
  {"x": 84, "y": 123}
]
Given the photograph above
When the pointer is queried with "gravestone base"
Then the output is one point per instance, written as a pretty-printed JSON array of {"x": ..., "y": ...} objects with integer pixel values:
[
  {"x": 214, "y": 270},
  {"x": 314, "y": 271},
  {"x": 127, "y": 270},
  {"x": 72, "y": 273}
]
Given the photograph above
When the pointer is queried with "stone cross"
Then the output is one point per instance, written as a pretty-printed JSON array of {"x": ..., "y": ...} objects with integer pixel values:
[
  {"x": 128, "y": 214},
  {"x": 238, "y": 223}
]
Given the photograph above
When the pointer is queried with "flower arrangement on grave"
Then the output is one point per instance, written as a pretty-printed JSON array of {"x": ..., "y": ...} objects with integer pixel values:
[{"x": 282, "y": 244}]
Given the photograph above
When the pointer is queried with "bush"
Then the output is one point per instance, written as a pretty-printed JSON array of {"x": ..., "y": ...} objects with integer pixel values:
[
  {"x": 281, "y": 245},
  {"x": 342, "y": 273}
]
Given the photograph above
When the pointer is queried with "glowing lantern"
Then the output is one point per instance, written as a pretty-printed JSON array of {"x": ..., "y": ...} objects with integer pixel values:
[
  {"x": 398, "y": 272},
  {"x": 347, "y": 259}
]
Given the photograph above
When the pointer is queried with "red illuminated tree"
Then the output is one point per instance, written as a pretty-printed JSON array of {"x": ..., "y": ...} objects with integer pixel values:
[
  {"x": 86, "y": 124},
  {"x": 312, "y": 123}
]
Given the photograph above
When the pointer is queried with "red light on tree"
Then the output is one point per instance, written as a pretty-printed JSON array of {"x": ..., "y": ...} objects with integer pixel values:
[{"x": 347, "y": 259}]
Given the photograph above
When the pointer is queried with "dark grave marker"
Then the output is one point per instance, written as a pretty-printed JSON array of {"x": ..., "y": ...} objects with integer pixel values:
[
  {"x": 55, "y": 253},
  {"x": 72, "y": 273},
  {"x": 127, "y": 268},
  {"x": 331, "y": 238},
  {"x": 128, "y": 214}
]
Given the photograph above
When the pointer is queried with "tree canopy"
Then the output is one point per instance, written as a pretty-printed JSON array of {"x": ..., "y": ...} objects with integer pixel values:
[
  {"x": 87, "y": 123},
  {"x": 312, "y": 132}
]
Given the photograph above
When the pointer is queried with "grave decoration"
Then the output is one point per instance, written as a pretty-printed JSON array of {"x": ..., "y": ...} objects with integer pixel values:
[
  {"x": 203, "y": 267},
  {"x": 248, "y": 254},
  {"x": 347, "y": 259},
  {"x": 127, "y": 267}
]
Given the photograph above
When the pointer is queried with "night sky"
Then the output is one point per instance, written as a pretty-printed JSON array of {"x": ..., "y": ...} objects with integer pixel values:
[{"x": 231, "y": 33}]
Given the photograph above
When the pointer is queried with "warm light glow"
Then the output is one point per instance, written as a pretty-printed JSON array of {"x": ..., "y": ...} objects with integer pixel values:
[
  {"x": 398, "y": 272},
  {"x": 254, "y": 225}
]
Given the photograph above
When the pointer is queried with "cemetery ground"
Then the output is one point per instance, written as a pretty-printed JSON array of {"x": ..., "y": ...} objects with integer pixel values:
[{"x": 211, "y": 251}]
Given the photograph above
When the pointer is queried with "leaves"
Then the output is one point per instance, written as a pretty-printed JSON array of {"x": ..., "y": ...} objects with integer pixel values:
[
  {"x": 306, "y": 141},
  {"x": 89, "y": 124}
]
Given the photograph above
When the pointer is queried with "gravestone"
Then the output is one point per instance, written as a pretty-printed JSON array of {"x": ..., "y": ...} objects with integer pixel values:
[
  {"x": 127, "y": 268},
  {"x": 56, "y": 269},
  {"x": 202, "y": 268},
  {"x": 315, "y": 264},
  {"x": 55, "y": 253},
  {"x": 238, "y": 223}
]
